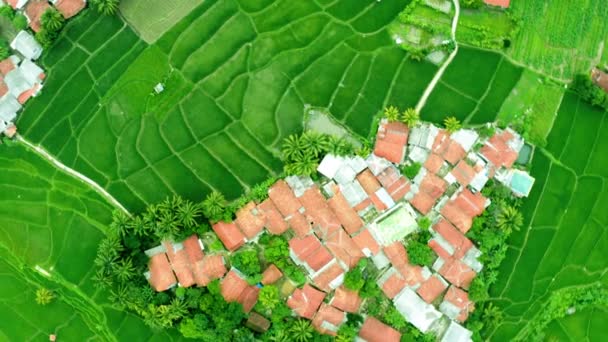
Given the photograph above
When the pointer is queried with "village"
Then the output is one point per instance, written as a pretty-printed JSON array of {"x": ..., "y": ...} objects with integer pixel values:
[{"x": 364, "y": 208}]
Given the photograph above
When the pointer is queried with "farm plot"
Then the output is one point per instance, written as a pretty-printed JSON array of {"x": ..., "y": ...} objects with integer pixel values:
[
  {"x": 473, "y": 88},
  {"x": 565, "y": 240},
  {"x": 237, "y": 77},
  {"x": 52, "y": 221},
  {"x": 562, "y": 39},
  {"x": 587, "y": 325}
]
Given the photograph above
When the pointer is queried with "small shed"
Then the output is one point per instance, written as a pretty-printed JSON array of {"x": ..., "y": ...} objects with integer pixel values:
[{"x": 257, "y": 322}]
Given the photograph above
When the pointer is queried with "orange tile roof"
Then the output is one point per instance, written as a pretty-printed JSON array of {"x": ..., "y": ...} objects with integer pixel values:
[
  {"x": 497, "y": 151},
  {"x": 193, "y": 249},
  {"x": 464, "y": 173},
  {"x": 460, "y": 299},
  {"x": 34, "y": 10},
  {"x": 422, "y": 202},
  {"x": 454, "y": 237},
  {"x": 346, "y": 300},
  {"x": 299, "y": 224},
  {"x": 461, "y": 210},
  {"x": 347, "y": 215},
  {"x": 310, "y": 251},
  {"x": 395, "y": 252},
  {"x": 249, "y": 297},
  {"x": 13, "y": 3},
  {"x": 70, "y": 8},
  {"x": 249, "y": 223},
  {"x": 440, "y": 251},
  {"x": 431, "y": 289},
  {"x": 318, "y": 211},
  {"x": 457, "y": 273},
  {"x": 412, "y": 274},
  {"x": 180, "y": 264},
  {"x": 373, "y": 330},
  {"x": 229, "y": 234},
  {"x": 399, "y": 189},
  {"x": 433, "y": 163},
  {"x": 3, "y": 87},
  {"x": 388, "y": 176},
  {"x": 368, "y": 182},
  {"x": 161, "y": 275},
  {"x": 344, "y": 248},
  {"x": 271, "y": 275},
  {"x": 363, "y": 205},
  {"x": 274, "y": 220},
  {"x": 389, "y": 151},
  {"x": 447, "y": 148},
  {"x": 232, "y": 286},
  {"x": 210, "y": 268},
  {"x": 393, "y": 284},
  {"x": 323, "y": 280},
  {"x": 391, "y": 141},
  {"x": 433, "y": 185},
  {"x": 6, "y": 66},
  {"x": 501, "y": 3},
  {"x": 283, "y": 198},
  {"x": 380, "y": 206},
  {"x": 305, "y": 301},
  {"x": 328, "y": 315},
  {"x": 365, "y": 241},
  {"x": 23, "y": 97}
]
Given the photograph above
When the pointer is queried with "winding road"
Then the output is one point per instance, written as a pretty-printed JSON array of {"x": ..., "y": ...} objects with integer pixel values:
[{"x": 435, "y": 80}]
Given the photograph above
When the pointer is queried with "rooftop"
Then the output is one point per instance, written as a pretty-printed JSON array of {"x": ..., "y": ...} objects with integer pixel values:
[
  {"x": 373, "y": 330},
  {"x": 306, "y": 301}
]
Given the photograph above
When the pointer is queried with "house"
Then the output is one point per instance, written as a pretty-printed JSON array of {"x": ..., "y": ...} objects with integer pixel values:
[
  {"x": 16, "y": 4},
  {"x": 328, "y": 320},
  {"x": 427, "y": 189},
  {"x": 415, "y": 310},
  {"x": 502, "y": 149},
  {"x": 463, "y": 173},
  {"x": 271, "y": 275},
  {"x": 366, "y": 242},
  {"x": 160, "y": 276},
  {"x": 342, "y": 246},
  {"x": 456, "y": 304},
  {"x": 178, "y": 258},
  {"x": 229, "y": 234},
  {"x": 341, "y": 169},
  {"x": 456, "y": 333},
  {"x": 234, "y": 288},
  {"x": 329, "y": 277},
  {"x": 349, "y": 218},
  {"x": 305, "y": 301},
  {"x": 249, "y": 220},
  {"x": 498, "y": 3},
  {"x": 9, "y": 106},
  {"x": 391, "y": 282},
  {"x": 346, "y": 300},
  {"x": 434, "y": 163},
  {"x": 423, "y": 136},
  {"x": 309, "y": 252},
  {"x": 395, "y": 184},
  {"x": 432, "y": 288},
  {"x": 455, "y": 271},
  {"x": 26, "y": 45},
  {"x": 69, "y": 8},
  {"x": 391, "y": 141},
  {"x": 394, "y": 224},
  {"x": 373, "y": 330},
  {"x": 273, "y": 220},
  {"x": 211, "y": 267},
  {"x": 257, "y": 322},
  {"x": 33, "y": 12},
  {"x": 450, "y": 240},
  {"x": 463, "y": 207},
  {"x": 283, "y": 198}
]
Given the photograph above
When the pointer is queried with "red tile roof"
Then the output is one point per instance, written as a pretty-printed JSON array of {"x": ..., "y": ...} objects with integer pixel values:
[
  {"x": 460, "y": 299},
  {"x": 431, "y": 289},
  {"x": 324, "y": 279},
  {"x": 195, "y": 258},
  {"x": 391, "y": 141},
  {"x": 497, "y": 151},
  {"x": 396, "y": 185},
  {"x": 464, "y": 173},
  {"x": 346, "y": 300},
  {"x": 457, "y": 273},
  {"x": 180, "y": 264},
  {"x": 454, "y": 237},
  {"x": 23, "y": 97},
  {"x": 440, "y": 251},
  {"x": 306, "y": 301},
  {"x": 235, "y": 289},
  {"x": 328, "y": 319},
  {"x": 249, "y": 297},
  {"x": 6, "y": 66},
  {"x": 461, "y": 210},
  {"x": 344, "y": 248},
  {"x": 310, "y": 251},
  {"x": 395, "y": 252},
  {"x": 271, "y": 275},
  {"x": 378, "y": 203},
  {"x": 433, "y": 163},
  {"x": 229, "y": 234},
  {"x": 13, "y": 3},
  {"x": 501, "y": 3},
  {"x": 447, "y": 148},
  {"x": 366, "y": 242},
  {"x": 412, "y": 274},
  {"x": 393, "y": 284},
  {"x": 317, "y": 209},
  {"x": 273, "y": 219},
  {"x": 70, "y": 8},
  {"x": 250, "y": 224},
  {"x": 34, "y": 10},
  {"x": 161, "y": 275},
  {"x": 388, "y": 176},
  {"x": 368, "y": 182},
  {"x": 390, "y": 151},
  {"x": 283, "y": 198},
  {"x": 211, "y": 267},
  {"x": 3, "y": 87},
  {"x": 373, "y": 330},
  {"x": 347, "y": 215},
  {"x": 433, "y": 185},
  {"x": 299, "y": 224},
  {"x": 422, "y": 202}
]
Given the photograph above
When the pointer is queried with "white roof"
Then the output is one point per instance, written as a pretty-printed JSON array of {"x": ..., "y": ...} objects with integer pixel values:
[
  {"x": 31, "y": 71},
  {"x": 329, "y": 165},
  {"x": 456, "y": 333},
  {"x": 480, "y": 180},
  {"x": 377, "y": 164},
  {"x": 385, "y": 198},
  {"x": 16, "y": 82},
  {"x": 415, "y": 310},
  {"x": 423, "y": 136},
  {"x": 9, "y": 106},
  {"x": 26, "y": 45},
  {"x": 380, "y": 260},
  {"x": 418, "y": 154},
  {"x": 471, "y": 259},
  {"x": 353, "y": 192},
  {"x": 466, "y": 138},
  {"x": 299, "y": 184},
  {"x": 3, "y": 125}
]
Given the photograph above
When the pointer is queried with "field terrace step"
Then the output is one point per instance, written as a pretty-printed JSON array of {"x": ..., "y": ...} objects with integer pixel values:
[
  {"x": 328, "y": 319},
  {"x": 456, "y": 304},
  {"x": 346, "y": 300},
  {"x": 234, "y": 288},
  {"x": 373, "y": 330},
  {"x": 305, "y": 301}
]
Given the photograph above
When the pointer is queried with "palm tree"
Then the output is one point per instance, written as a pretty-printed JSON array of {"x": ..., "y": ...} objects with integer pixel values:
[
  {"x": 292, "y": 147},
  {"x": 44, "y": 296},
  {"x": 107, "y": 7},
  {"x": 188, "y": 213},
  {"x": 391, "y": 113},
  {"x": 509, "y": 219},
  {"x": 168, "y": 225},
  {"x": 280, "y": 336},
  {"x": 52, "y": 20},
  {"x": 301, "y": 331},
  {"x": 451, "y": 124},
  {"x": 119, "y": 297},
  {"x": 124, "y": 270},
  {"x": 492, "y": 315},
  {"x": 139, "y": 226},
  {"x": 304, "y": 166},
  {"x": 102, "y": 279},
  {"x": 178, "y": 307},
  {"x": 314, "y": 143},
  {"x": 213, "y": 206},
  {"x": 120, "y": 222},
  {"x": 410, "y": 117},
  {"x": 269, "y": 296}
]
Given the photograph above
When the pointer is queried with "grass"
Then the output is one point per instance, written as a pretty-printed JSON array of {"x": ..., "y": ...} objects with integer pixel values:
[
  {"x": 54, "y": 222},
  {"x": 586, "y": 325},
  {"x": 560, "y": 40},
  {"x": 565, "y": 219},
  {"x": 237, "y": 77}
]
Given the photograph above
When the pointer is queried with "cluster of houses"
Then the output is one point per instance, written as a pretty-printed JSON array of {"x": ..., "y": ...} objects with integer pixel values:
[
  {"x": 364, "y": 208},
  {"x": 33, "y": 9}
]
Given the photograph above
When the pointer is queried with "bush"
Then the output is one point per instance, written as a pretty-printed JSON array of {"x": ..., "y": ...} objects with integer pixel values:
[
  {"x": 410, "y": 171},
  {"x": 20, "y": 22},
  {"x": 420, "y": 253},
  {"x": 247, "y": 262},
  {"x": 7, "y": 12}
]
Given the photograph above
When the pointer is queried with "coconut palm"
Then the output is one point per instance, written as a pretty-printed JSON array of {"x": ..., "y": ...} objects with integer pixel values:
[
  {"x": 120, "y": 222},
  {"x": 451, "y": 124},
  {"x": 119, "y": 297},
  {"x": 188, "y": 213},
  {"x": 52, "y": 20},
  {"x": 168, "y": 225},
  {"x": 301, "y": 331},
  {"x": 509, "y": 219},
  {"x": 213, "y": 206},
  {"x": 303, "y": 166},
  {"x": 107, "y": 7},
  {"x": 292, "y": 147},
  {"x": 102, "y": 279},
  {"x": 124, "y": 270},
  {"x": 44, "y": 296},
  {"x": 391, "y": 113},
  {"x": 269, "y": 296},
  {"x": 139, "y": 227},
  {"x": 492, "y": 315},
  {"x": 410, "y": 117},
  {"x": 314, "y": 143}
]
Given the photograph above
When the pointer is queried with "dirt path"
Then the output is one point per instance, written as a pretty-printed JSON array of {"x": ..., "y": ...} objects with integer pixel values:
[
  {"x": 44, "y": 154},
  {"x": 431, "y": 86}
]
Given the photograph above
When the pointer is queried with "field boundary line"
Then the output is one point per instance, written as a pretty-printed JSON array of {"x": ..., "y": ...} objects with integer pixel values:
[
  {"x": 429, "y": 89},
  {"x": 44, "y": 154}
]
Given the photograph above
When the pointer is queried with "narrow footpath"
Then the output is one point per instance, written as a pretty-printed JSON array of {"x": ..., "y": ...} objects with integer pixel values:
[
  {"x": 431, "y": 86},
  {"x": 44, "y": 154}
]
